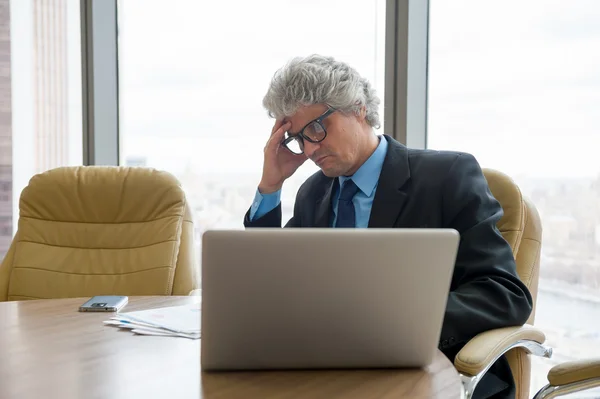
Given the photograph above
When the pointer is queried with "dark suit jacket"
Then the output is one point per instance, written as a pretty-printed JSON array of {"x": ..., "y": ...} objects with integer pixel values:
[{"x": 424, "y": 188}]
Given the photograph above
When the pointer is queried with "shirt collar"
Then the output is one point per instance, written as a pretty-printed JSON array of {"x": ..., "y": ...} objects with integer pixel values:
[{"x": 367, "y": 175}]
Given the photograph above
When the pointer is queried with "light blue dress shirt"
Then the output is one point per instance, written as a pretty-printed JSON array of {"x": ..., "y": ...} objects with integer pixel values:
[{"x": 366, "y": 178}]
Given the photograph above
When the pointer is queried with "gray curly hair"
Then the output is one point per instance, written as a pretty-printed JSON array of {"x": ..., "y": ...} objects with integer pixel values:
[{"x": 317, "y": 79}]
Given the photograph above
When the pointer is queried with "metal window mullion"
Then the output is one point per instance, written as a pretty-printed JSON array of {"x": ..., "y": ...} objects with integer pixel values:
[
  {"x": 100, "y": 82},
  {"x": 406, "y": 71}
]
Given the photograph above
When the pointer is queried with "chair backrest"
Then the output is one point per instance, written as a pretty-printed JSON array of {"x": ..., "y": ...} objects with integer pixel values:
[
  {"x": 521, "y": 226},
  {"x": 187, "y": 272},
  {"x": 101, "y": 230}
]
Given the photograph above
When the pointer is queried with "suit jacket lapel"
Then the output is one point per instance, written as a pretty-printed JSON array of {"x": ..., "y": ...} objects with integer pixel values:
[
  {"x": 323, "y": 209},
  {"x": 391, "y": 195}
]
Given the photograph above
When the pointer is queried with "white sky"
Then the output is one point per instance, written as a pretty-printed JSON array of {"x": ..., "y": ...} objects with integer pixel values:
[{"x": 515, "y": 83}]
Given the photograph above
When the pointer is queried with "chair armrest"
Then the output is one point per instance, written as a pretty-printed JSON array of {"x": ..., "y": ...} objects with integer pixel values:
[
  {"x": 484, "y": 349},
  {"x": 575, "y": 371}
]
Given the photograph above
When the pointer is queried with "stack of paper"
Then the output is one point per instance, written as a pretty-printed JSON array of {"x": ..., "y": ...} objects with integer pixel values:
[{"x": 173, "y": 321}]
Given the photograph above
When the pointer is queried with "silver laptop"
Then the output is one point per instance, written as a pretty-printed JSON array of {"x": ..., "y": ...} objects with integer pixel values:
[{"x": 324, "y": 298}]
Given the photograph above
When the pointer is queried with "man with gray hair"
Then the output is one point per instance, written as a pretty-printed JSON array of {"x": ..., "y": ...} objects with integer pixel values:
[{"x": 327, "y": 112}]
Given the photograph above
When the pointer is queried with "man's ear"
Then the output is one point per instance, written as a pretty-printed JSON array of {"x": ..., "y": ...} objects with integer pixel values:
[{"x": 362, "y": 113}]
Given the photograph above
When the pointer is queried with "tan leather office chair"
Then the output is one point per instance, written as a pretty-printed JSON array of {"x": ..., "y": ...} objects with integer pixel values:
[
  {"x": 98, "y": 230},
  {"x": 522, "y": 228}
]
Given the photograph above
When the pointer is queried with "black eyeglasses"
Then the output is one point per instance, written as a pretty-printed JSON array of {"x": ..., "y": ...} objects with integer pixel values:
[{"x": 313, "y": 132}]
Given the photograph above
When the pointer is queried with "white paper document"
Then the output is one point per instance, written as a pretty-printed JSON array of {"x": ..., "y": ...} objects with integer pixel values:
[{"x": 173, "y": 321}]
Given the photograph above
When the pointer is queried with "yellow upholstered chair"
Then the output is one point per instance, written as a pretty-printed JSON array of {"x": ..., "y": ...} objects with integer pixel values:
[
  {"x": 101, "y": 230},
  {"x": 522, "y": 228}
]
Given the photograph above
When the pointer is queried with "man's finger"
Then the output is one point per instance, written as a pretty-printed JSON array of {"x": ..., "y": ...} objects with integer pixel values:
[
  {"x": 282, "y": 129},
  {"x": 277, "y": 125},
  {"x": 278, "y": 134}
]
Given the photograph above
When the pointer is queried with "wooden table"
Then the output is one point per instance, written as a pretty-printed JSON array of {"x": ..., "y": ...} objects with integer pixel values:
[{"x": 50, "y": 350}]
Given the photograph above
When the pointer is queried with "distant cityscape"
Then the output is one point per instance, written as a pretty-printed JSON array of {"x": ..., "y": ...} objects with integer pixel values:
[{"x": 570, "y": 211}]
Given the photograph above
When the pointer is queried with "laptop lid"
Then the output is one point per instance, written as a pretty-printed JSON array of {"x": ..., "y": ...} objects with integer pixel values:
[{"x": 324, "y": 298}]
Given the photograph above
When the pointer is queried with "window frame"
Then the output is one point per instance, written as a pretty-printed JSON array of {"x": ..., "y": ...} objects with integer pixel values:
[{"x": 405, "y": 97}]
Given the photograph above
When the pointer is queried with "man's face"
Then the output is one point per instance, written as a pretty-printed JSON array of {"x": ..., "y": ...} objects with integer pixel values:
[{"x": 339, "y": 153}]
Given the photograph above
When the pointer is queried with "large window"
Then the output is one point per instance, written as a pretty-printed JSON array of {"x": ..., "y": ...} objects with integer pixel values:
[
  {"x": 517, "y": 84},
  {"x": 191, "y": 83},
  {"x": 40, "y": 97}
]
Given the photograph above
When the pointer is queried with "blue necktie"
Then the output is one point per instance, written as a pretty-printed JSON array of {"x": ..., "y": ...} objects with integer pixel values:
[{"x": 346, "y": 216}]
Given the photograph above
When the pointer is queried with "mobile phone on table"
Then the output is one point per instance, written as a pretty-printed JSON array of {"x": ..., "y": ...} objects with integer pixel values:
[{"x": 108, "y": 303}]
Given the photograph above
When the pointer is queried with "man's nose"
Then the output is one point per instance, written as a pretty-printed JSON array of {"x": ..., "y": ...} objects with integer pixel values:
[{"x": 310, "y": 148}]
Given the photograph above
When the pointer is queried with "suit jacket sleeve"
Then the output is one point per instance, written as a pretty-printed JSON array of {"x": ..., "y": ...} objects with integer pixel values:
[
  {"x": 486, "y": 292},
  {"x": 272, "y": 218}
]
